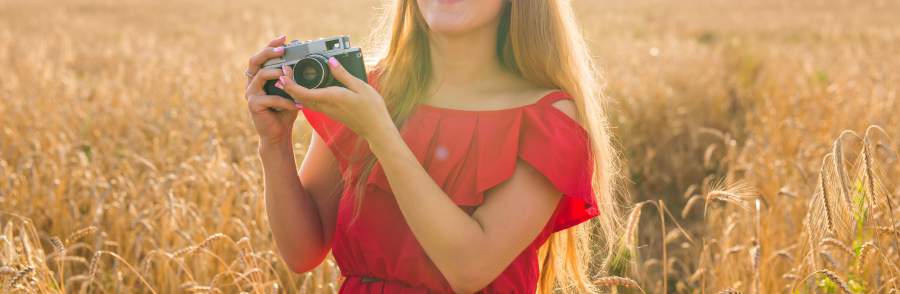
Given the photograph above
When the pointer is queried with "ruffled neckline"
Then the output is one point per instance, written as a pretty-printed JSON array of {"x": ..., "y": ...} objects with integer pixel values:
[
  {"x": 468, "y": 152},
  {"x": 447, "y": 110}
]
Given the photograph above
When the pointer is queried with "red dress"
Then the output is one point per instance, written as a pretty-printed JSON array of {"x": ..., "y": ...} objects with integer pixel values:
[{"x": 466, "y": 153}]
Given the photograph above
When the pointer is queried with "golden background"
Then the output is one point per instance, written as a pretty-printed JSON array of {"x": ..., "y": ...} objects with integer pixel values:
[{"x": 127, "y": 158}]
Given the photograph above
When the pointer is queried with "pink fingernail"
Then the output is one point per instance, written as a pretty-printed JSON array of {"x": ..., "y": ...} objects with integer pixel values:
[
  {"x": 298, "y": 105},
  {"x": 278, "y": 49},
  {"x": 279, "y": 85},
  {"x": 332, "y": 61},
  {"x": 284, "y": 68},
  {"x": 282, "y": 79}
]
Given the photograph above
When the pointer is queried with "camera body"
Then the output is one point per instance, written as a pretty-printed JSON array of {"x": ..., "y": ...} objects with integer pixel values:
[{"x": 309, "y": 60}]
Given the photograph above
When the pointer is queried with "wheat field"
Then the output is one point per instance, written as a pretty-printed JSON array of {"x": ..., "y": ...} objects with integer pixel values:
[{"x": 760, "y": 138}]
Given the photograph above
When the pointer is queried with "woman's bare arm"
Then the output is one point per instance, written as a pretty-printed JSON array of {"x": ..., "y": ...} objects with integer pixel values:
[
  {"x": 470, "y": 251},
  {"x": 302, "y": 210}
]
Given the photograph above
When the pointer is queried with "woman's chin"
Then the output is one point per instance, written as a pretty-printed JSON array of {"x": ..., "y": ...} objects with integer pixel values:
[
  {"x": 456, "y": 16},
  {"x": 449, "y": 2},
  {"x": 449, "y": 30},
  {"x": 450, "y": 26}
]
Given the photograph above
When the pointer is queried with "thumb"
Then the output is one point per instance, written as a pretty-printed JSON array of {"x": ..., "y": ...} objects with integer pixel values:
[{"x": 342, "y": 75}]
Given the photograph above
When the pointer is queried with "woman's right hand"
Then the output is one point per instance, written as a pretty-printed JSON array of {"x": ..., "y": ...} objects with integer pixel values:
[{"x": 273, "y": 116}]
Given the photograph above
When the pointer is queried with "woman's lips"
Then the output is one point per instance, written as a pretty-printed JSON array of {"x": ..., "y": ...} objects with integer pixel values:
[{"x": 448, "y": 2}]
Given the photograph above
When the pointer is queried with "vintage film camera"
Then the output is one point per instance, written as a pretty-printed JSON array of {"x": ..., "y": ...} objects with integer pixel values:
[{"x": 309, "y": 59}]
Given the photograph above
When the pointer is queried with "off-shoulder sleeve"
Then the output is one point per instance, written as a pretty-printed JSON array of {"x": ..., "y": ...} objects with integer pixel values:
[
  {"x": 559, "y": 148},
  {"x": 553, "y": 144},
  {"x": 468, "y": 153}
]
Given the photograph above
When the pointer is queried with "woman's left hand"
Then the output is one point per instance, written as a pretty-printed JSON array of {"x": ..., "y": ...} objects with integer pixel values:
[{"x": 358, "y": 106}]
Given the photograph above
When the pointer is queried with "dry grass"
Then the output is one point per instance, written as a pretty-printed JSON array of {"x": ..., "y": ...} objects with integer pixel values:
[{"x": 128, "y": 163}]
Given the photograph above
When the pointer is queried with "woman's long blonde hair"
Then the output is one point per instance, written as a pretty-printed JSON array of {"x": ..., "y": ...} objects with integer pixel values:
[{"x": 540, "y": 41}]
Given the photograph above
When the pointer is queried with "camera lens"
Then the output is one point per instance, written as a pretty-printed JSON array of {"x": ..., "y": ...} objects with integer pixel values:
[{"x": 311, "y": 72}]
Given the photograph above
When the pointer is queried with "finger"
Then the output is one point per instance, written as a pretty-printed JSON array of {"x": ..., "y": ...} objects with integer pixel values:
[
  {"x": 303, "y": 94},
  {"x": 265, "y": 102},
  {"x": 343, "y": 76},
  {"x": 266, "y": 53},
  {"x": 260, "y": 79},
  {"x": 277, "y": 41}
]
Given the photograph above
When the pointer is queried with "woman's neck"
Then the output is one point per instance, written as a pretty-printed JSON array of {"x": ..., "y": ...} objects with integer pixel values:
[{"x": 468, "y": 59}]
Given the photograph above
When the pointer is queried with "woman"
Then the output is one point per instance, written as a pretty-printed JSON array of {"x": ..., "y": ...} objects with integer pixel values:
[{"x": 464, "y": 165}]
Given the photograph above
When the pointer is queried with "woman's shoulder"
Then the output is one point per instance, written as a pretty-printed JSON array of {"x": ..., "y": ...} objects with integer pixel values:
[
  {"x": 542, "y": 95},
  {"x": 564, "y": 103},
  {"x": 555, "y": 101}
]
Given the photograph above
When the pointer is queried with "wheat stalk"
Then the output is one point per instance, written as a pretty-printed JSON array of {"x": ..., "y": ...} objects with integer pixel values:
[
  {"x": 615, "y": 281},
  {"x": 736, "y": 193},
  {"x": 837, "y": 280},
  {"x": 831, "y": 276},
  {"x": 836, "y": 243},
  {"x": 95, "y": 266},
  {"x": 729, "y": 291},
  {"x": 783, "y": 254},
  {"x": 631, "y": 226},
  {"x": 60, "y": 253},
  {"x": 77, "y": 235},
  {"x": 864, "y": 252},
  {"x": 838, "y": 152},
  {"x": 19, "y": 275},
  {"x": 689, "y": 205}
]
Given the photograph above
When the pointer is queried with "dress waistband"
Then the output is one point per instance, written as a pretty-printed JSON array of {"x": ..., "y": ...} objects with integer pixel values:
[
  {"x": 366, "y": 279},
  {"x": 369, "y": 279}
]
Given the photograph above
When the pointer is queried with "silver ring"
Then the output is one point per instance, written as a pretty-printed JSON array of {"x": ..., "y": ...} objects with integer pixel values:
[{"x": 248, "y": 74}]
